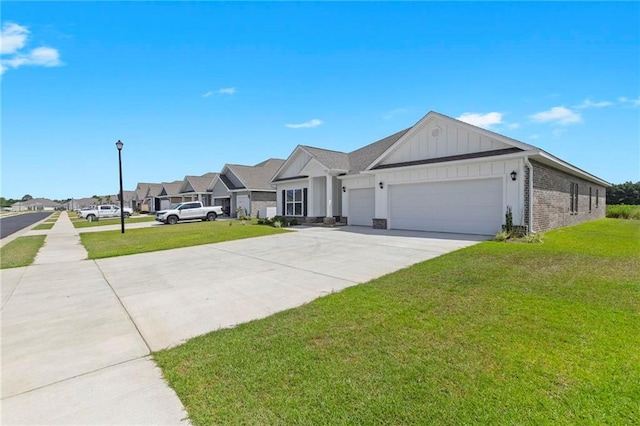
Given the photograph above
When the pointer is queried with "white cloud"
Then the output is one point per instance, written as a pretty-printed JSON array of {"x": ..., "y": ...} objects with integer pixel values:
[
  {"x": 482, "y": 120},
  {"x": 227, "y": 91},
  {"x": 13, "y": 39},
  {"x": 633, "y": 102},
  {"x": 557, "y": 115},
  {"x": 391, "y": 114},
  {"x": 588, "y": 103},
  {"x": 307, "y": 124},
  {"x": 207, "y": 94}
]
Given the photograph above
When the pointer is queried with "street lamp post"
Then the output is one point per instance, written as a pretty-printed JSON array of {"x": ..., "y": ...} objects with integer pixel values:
[{"x": 119, "y": 145}]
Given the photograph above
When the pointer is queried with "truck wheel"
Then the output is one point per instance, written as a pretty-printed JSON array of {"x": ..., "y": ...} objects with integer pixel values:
[
  {"x": 211, "y": 216},
  {"x": 172, "y": 220},
  {"x": 91, "y": 218},
  {"x": 127, "y": 215}
]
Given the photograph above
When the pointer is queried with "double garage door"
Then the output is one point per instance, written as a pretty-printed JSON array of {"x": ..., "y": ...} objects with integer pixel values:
[{"x": 470, "y": 206}]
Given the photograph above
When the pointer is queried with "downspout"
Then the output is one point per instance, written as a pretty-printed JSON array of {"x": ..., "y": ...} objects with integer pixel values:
[{"x": 528, "y": 164}]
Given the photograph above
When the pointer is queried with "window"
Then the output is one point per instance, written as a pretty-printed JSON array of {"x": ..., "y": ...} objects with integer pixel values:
[
  {"x": 597, "y": 198},
  {"x": 573, "y": 202},
  {"x": 590, "y": 189},
  {"x": 293, "y": 202}
]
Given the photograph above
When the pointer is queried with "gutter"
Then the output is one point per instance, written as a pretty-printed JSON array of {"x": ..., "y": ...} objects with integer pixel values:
[{"x": 528, "y": 164}]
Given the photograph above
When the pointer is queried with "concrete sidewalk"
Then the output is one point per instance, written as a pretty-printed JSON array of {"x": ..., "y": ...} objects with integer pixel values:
[
  {"x": 70, "y": 352},
  {"x": 77, "y": 334}
]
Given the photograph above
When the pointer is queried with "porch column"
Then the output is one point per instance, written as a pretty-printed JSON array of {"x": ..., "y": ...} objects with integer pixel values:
[{"x": 329, "y": 220}]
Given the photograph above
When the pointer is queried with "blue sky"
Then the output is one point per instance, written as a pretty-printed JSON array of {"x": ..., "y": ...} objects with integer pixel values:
[{"x": 191, "y": 86}]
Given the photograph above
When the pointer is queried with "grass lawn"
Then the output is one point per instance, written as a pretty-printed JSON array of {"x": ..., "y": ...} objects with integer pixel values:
[
  {"x": 21, "y": 251},
  {"x": 84, "y": 223},
  {"x": 113, "y": 243},
  {"x": 497, "y": 333}
]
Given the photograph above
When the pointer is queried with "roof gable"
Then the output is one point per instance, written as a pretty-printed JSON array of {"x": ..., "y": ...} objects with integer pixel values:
[{"x": 438, "y": 136}]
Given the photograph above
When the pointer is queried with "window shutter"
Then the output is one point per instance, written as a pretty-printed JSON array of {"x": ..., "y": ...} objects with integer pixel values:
[
  {"x": 284, "y": 202},
  {"x": 304, "y": 202}
]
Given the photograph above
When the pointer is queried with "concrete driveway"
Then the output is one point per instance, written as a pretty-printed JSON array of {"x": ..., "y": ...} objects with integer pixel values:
[
  {"x": 76, "y": 335},
  {"x": 178, "y": 294}
]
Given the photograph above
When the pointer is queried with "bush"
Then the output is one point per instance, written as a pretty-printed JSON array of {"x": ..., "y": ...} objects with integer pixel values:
[
  {"x": 502, "y": 236},
  {"x": 623, "y": 211},
  {"x": 293, "y": 222}
]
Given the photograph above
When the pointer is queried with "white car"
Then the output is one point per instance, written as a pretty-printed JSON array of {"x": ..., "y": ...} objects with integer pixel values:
[
  {"x": 192, "y": 210},
  {"x": 106, "y": 210}
]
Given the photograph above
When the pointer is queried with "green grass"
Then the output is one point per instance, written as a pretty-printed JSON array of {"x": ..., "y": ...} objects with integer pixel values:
[
  {"x": 623, "y": 211},
  {"x": 20, "y": 252},
  {"x": 84, "y": 223},
  {"x": 496, "y": 333},
  {"x": 141, "y": 240},
  {"x": 43, "y": 226}
]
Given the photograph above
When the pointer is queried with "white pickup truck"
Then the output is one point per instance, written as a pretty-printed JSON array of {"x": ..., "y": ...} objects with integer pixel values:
[
  {"x": 106, "y": 210},
  {"x": 191, "y": 210}
]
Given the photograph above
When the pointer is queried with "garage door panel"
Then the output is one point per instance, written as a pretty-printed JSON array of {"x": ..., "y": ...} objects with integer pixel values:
[
  {"x": 361, "y": 206},
  {"x": 455, "y": 206}
]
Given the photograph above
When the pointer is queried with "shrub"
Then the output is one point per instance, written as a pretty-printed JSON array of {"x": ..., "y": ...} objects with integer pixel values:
[
  {"x": 622, "y": 211},
  {"x": 533, "y": 238},
  {"x": 508, "y": 220},
  {"x": 293, "y": 222},
  {"x": 277, "y": 224},
  {"x": 502, "y": 236}
]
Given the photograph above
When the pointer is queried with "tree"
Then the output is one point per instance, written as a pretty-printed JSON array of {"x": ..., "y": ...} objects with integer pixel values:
[
  {"x": 27, "y": 197},
  {"x": 624, "y": 193}
]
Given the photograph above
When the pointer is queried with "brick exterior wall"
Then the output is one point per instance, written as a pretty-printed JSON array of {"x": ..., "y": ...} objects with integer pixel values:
[
  {"x": 552, "y": 199},
  {"x": 379, "y": 223}
]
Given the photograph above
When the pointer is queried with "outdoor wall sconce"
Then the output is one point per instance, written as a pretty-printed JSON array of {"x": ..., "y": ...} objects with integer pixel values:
[
  {"x": 381, "y": 185},
  {"x": 514, "y": 174},
  {"x": 344, "y": 189}
]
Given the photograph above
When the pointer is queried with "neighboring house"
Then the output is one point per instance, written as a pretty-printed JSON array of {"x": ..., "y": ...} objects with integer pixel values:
[
  {"x": 440, "y": 175},
  {"x": 152, "y": 200},
  {"x": 79, "y": 203},
  {"x": 194, "y": 188},
  {"x": 246, "y": 187},
  {"x": 129, "y": 199},
  {"x": 140, "y": 200},
  {"x": 37, "y": 204},
  {"x": 170, "y": 194}
]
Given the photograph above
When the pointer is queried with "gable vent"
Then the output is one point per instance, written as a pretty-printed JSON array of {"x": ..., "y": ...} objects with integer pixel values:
[{"x": 435, "y": 132}]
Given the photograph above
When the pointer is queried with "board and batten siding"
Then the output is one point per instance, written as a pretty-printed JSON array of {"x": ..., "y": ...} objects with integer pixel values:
[
  {"x": 441, "y": 138},
  {"x": 295, "y": 165}
]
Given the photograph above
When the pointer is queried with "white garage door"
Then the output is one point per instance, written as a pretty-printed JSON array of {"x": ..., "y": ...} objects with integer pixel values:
[
  {"x": 471, "y": 206},
  {"x": 361, "y": 207}
]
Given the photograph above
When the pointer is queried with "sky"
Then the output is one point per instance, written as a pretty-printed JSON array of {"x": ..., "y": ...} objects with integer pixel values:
[{"x": 191, "y": 86}]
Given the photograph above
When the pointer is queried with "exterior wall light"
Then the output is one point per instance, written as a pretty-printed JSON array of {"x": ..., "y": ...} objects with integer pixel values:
[
  {"x": 381, "y": 185},
  {"x": 514, "y": 174}
]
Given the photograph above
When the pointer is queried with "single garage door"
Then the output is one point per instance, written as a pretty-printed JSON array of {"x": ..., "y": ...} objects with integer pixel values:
[
  {"x": 470, "y": 206},
  {"x": 361, "y": 207}
]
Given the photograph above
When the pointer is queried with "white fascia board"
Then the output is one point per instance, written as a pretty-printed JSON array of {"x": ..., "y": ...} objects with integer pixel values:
[{"x": 252, "y": 190}]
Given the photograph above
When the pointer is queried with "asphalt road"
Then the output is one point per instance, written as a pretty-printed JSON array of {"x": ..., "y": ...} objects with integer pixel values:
[{"x": 12, "y": 224}]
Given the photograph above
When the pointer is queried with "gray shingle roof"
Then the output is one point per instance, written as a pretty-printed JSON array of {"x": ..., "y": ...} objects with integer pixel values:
[
  {"x": 154, "y": 189},
  {"x": 254, "y": 177},
  {"x": 171, "y": 188},
  {"x": 362, "y": 157},
  {"x": 329, "y": 158},
  {"x": 200, "y": 183}
]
